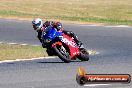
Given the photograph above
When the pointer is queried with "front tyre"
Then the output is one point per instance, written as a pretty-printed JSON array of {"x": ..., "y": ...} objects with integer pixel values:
[{"x": 62, "y": 53}]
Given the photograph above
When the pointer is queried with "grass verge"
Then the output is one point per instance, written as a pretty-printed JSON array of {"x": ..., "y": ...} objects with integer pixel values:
[
  {"x": 12, "y": 52},
  {"x": 97, "y": 11}
]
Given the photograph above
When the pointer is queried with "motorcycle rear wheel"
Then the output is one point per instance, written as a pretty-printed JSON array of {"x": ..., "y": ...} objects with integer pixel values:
[{"x": 84, "y": 55}]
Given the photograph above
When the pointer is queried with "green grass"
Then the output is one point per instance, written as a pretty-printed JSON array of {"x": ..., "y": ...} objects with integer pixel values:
[
  {"x": 98, "y": 11},
  {"x": 12, "y": 52}
]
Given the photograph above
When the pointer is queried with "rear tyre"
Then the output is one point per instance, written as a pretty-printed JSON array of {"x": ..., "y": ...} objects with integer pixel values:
[
  {"x": 62, "y": 53},
  {"x": 84, "y": 55}
]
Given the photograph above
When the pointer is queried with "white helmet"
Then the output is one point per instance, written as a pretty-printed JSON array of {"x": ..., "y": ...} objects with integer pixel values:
[{"x": 37, "y": 24}]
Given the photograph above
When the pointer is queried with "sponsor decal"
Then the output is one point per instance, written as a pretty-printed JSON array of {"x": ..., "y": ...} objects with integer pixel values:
[
  {"x": 68, "y": 42},
  {"x": 82, "y": 78}
]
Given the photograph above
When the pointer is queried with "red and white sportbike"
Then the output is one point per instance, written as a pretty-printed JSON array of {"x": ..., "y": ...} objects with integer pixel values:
[{"x": 63, "y": 46}]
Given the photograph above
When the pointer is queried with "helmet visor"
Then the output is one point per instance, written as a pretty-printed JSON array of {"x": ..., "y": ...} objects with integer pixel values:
[{"x": 35, "y": 26}]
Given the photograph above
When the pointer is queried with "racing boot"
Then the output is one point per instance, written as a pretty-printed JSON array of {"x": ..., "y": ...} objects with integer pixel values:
[
  {"x": 79, "y": 43},
  {"x": 71, "y": 34}
]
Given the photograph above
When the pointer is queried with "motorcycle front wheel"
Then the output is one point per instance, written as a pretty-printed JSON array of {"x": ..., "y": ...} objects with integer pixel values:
[{"x": 62, "y": 53}]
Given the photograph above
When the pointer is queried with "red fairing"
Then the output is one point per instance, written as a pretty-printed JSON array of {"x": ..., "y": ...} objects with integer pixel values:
[
  {"x": 74, "y": 49},
  {"x": 56, "y": 43}
]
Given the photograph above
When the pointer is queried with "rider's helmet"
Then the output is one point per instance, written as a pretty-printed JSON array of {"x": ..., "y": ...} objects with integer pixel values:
[
  {"x": 58, "y": 26},
  {"x": 37, "y": 24}
]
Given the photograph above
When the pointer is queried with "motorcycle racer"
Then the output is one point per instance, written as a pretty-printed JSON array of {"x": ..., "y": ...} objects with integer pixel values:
[{"x": 39, "y": 25}]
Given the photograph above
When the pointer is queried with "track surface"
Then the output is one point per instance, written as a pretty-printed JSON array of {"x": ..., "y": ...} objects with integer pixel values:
[{"x": 114, "y": 45}]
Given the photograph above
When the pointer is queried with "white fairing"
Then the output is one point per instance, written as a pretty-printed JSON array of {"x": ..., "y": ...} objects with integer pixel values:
[{"x": 65, "y": 40}]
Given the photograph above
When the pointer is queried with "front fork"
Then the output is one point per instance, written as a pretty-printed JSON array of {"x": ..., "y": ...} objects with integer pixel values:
[{"x": 50, "y": 52}]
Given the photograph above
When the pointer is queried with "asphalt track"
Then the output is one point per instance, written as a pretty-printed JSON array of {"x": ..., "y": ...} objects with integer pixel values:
[{"x": 113, "y": 43}]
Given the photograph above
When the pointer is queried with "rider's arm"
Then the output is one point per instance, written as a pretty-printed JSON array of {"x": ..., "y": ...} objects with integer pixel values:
[
  {"x": 39, "y": 36},
  {"x": 48, "y": 23},
  {"x": 67, "y": 32}
]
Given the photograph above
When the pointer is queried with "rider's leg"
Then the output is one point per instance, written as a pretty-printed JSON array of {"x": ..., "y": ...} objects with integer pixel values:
[{"x": 70, "y": 33}]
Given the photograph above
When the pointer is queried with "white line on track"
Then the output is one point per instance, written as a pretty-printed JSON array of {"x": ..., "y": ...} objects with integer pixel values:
[
  {"x": 91, "y": 52},
  {"x": 17, "y": 60},
  {"x": 23, "y": 44},
  {"x": 93, "y": 85},
  {"x": 94, "y": 25},
  {"x": 120, "y": 26},
  {"x": 12, "y": 43},
  {"x": 38, "y": 58}
]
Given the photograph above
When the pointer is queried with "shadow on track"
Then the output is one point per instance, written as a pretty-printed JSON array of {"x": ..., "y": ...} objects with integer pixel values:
[{"x": 55, "y": 61}]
